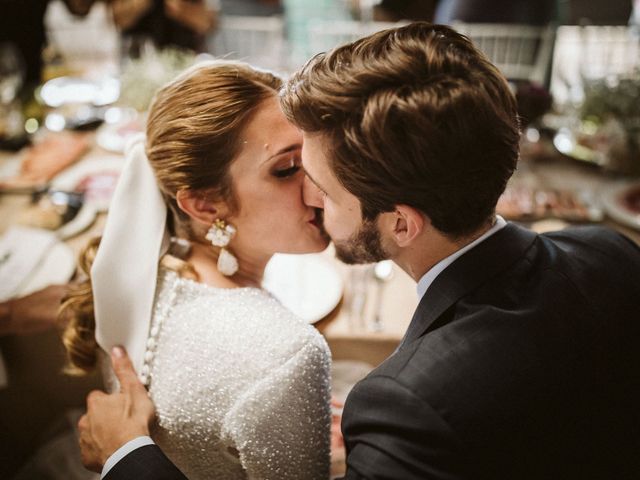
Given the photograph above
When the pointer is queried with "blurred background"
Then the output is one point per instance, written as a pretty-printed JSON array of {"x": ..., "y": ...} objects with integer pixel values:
[
  {"x": 121, "y": 50},
  {"x": 76, "y": 77},
  {"x": 115, "y": 53}
]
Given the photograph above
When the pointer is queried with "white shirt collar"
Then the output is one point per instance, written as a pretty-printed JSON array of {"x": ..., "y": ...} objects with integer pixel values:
[{"x": 427, "y": 279}]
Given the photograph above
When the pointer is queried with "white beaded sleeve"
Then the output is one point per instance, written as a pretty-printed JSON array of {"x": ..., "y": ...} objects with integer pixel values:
[{"x": 280, "y": 426}]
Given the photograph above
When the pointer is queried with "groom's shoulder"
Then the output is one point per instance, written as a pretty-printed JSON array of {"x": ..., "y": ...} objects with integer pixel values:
[
  {"x": 404, "y": 369},
  {"x": 443, "y": 366}
]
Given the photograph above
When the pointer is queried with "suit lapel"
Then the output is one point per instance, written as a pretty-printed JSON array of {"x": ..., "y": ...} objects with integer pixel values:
[{"x": 466, "y": 273}]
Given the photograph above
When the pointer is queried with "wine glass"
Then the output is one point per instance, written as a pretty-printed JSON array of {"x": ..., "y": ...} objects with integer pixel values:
[
  {"x": 11, "y": 77},
  {"x": 11, "y": 72}
]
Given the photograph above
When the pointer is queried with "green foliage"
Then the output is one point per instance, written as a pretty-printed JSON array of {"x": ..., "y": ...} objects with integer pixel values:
[
  {"x": 142, "y": 77},
  {"x": 619, "y": 99}
]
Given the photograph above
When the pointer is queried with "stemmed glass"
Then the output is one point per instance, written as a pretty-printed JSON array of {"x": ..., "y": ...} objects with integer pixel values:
[{"x": 12, "y": 73}]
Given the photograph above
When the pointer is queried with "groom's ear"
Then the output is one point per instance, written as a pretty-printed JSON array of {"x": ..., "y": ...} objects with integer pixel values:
[
  {"x": 198, "y": 206},
  {"x": 408, "y": 223}
]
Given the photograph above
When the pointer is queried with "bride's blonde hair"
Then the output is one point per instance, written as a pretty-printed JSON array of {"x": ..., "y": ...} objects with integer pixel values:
[{"x": 192, "y": 136}]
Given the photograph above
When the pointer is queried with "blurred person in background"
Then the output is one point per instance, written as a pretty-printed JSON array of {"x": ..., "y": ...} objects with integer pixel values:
[
  {"x": 634, "y": 19},
  {"x": 22, "y": 24},
  {"x": 258, "y": 8},
  {"x": 595, "y": 12},
  {"x": 570, "y": 12},
  {"x": 496, "y": 11},
  {"x": 396, "y": 10},
  {"x": 38, "y": 404},
  {"x": 177, "y": 23},
  {"x": 33, "y": 313},
  {"x": 36, "y": 399}
]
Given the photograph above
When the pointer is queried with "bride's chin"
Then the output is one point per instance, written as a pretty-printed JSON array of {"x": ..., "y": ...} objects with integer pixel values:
[
  {"x": 322, "y": 246},
  {"x": 317, "y": 245},
  {"x": 322, "y": 240}
]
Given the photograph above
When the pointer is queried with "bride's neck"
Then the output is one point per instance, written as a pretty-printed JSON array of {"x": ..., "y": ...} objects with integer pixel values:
[{"x": 204, "y": 259}]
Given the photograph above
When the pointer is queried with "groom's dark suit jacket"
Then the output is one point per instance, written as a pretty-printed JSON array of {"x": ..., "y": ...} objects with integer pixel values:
[{"x": 522, "y": 362}]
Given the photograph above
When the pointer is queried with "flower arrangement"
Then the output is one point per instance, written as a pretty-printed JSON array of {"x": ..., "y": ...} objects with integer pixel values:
[
  {"x": 611, "y": 113},
  {"x": 533, "y": 101},
  {"x": 617, "y": 98},
  {"x": 141, "y": 77}
]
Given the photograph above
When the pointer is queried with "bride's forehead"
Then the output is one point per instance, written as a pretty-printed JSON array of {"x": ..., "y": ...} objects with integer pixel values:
[
  {"x": 269, "y": 142},
  {"x": 267, "y": 117}
]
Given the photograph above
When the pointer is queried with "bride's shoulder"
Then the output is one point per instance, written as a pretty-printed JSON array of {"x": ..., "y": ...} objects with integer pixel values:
[
  {"x": 285, "y": 327},
  {"x": 252, "y": 314},
  {"x": 278, "y": 332}
]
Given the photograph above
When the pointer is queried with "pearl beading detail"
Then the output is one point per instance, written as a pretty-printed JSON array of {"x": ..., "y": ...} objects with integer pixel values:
[{"x": 162, "y": 311}]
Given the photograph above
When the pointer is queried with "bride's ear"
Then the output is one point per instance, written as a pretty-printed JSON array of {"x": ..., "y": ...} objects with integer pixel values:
[{"x": 198, "y": 206}]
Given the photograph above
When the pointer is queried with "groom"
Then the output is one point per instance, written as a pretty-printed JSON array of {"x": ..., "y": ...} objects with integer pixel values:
[{"x": 522, "y": 359}]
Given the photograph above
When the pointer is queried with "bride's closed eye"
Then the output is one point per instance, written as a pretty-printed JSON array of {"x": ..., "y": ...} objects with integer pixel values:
[{"x": 287, "y": 168}]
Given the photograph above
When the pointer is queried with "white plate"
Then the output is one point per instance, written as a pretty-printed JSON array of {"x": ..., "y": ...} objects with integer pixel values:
[
  {"x": 566, "y": 143},
  {"x": 70, "y": 178},
  {"x": 78, "y": 224},
  {"x": 64, "y": 90},
  {"x": 615, "y": 207},
  {"x": 308, "y": 285},
  {"x": 10, "y": 165},
  {"x": 58, "y": 266},
  {"x": 113, "y": 137}
]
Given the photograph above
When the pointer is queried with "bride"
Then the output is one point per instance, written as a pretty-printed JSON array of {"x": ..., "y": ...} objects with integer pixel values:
[{"x": 241, "y": 385}]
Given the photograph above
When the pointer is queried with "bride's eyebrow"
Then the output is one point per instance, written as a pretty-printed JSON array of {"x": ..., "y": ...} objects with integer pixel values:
[{"x": 287, "y": 149}]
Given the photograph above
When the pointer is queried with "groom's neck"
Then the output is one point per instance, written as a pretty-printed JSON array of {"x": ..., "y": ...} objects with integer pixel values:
[{"x": 430, "y": 248}]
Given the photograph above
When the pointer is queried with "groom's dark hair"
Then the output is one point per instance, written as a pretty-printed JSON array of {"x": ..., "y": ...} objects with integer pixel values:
[{"x": 415, "y": 115}]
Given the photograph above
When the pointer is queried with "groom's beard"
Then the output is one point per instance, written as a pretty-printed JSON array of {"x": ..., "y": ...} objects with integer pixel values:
[{"x": 364, "y": 246}]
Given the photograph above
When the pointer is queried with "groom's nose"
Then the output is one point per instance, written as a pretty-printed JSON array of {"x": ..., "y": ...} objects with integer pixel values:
[{"x": 311, "y": 195}]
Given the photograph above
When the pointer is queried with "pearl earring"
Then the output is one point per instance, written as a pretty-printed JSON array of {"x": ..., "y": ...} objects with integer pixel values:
[{"x": 220, "y": 234}]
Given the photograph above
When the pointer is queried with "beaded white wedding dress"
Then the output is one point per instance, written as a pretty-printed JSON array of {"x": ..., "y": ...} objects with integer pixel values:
[{"x": 240, "y": 384}]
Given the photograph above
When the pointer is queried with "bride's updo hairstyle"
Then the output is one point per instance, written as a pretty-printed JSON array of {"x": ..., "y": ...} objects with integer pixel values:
[{"x": 193, "y": 134}]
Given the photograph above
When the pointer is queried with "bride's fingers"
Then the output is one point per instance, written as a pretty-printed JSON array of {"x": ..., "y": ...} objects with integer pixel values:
[{"x": 123, "y": 368}]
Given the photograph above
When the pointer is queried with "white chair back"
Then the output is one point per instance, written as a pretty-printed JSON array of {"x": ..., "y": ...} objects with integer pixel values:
[
  {"x": 256, "y": 40},
  {"x": 300, "y": 14},
  {"x": 521, "y": 52},
  {"x": 325, "y": 35},
  {"x": 587, "y": 53}
]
